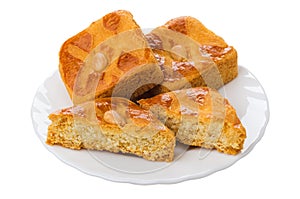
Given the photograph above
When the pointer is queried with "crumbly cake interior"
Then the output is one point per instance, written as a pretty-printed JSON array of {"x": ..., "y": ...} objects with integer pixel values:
[{"x": 138, "y": 132}]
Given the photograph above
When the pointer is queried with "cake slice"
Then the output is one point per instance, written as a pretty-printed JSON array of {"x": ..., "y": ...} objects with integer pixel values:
[
  {"x": 109, "y": 58},
  {"x": 176, "y": 45},
  {"x": 199, "y": 116},
  {"x": 112, "y": 124}
]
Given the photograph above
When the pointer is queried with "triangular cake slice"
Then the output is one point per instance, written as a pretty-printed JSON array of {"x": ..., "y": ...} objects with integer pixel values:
[
  {"x": 112, "y": 124},
  {"x": 199, "y": 116},
  {"x": 109, "y": 58},
  {"x": 174, "y": 58}
]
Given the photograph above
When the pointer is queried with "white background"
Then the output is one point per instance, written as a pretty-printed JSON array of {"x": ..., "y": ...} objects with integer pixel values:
[{"x": 266, "y": 35}]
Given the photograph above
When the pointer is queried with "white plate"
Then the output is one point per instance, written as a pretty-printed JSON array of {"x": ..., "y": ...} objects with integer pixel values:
[{"x": 245, "y": 93}]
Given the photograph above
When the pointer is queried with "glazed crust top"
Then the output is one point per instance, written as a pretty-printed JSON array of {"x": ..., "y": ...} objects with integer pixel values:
[
  {"x": 209, "y": 43},
  {"x": 200, "y": 102},
  {"x": 119, "y": 114},
  {"x": 116, "y": 58}
]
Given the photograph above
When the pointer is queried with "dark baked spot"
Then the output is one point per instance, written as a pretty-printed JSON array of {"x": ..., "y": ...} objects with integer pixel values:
[
  {"x": 84, "y": 42},
  {"x": 147, "y": 53},
  {"x": 111, "y": 21},
  {"x": 127, "y": 61},
  {"x": 178, "y": 25}
]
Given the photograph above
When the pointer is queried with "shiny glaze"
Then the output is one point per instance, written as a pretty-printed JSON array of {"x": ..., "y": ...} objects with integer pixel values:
[
  {"x": 77, "y": 110},
  {"x": 165, "y": 99},
  {"x": 210, "y": 44},
  {"x": 215, "y": 52},
  {"x": 196, "y": 102},
  {"x": 184, "y": 68},
  {"x": 80, "y": 76},
  {"x": 198, "y": 95},
  {"x": 175, "y": 68},
  {"x": 125, "y": 108},
  {"x": 192, "y": 101}
]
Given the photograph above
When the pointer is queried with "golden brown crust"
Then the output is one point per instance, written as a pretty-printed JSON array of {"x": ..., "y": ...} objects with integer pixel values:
[
  {"x": 224, "y": 57},
  {"x": 118, "y": 125},
  {"x": 200, "y": 117},
  {"x": 112, "y": 124},
  {"x": 105, "y": 36},
  {"x": 196, "y": 30}
]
